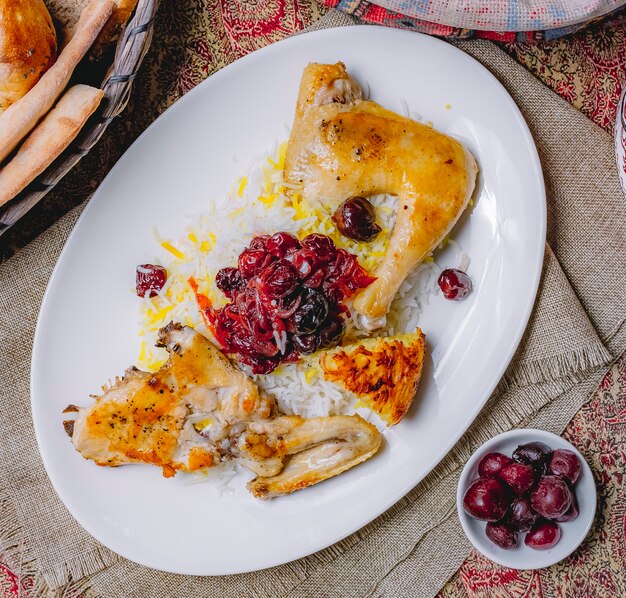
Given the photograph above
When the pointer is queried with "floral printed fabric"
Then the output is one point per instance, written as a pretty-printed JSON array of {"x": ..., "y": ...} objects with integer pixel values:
[
  {"x": 587, "y": 69},
  {"x": 503, "y": 15},
  {"x": 503, "y": 20}
]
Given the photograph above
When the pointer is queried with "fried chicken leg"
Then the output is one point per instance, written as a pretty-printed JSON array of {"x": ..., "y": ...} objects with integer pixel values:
[{"x": 342, "y": 146}]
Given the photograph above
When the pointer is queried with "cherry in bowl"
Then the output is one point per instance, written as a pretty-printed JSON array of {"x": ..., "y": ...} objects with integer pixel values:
[{"x": 549, "y": 541}]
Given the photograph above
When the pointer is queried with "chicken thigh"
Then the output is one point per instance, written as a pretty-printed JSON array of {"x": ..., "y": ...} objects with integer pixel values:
[{"x": 342, "y": 146}]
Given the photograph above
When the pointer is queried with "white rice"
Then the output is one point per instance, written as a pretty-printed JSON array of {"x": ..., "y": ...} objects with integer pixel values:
[{"x": 258, "y": 204}]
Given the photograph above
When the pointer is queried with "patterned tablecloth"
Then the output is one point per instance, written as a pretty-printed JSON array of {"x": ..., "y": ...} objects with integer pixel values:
[{"x": 587, "y": 69}]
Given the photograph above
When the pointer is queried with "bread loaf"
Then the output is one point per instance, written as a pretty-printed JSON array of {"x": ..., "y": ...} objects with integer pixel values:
[
  {"x": 51, "y": 136},
  {"x": 27, "y": 47},
  {"x": 20, "y": 118}
]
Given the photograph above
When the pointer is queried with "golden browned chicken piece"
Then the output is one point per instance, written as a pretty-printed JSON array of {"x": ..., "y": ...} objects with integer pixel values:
[
  {"x": 383, "y": 373},
  {"x": 199, "y": 410},
  {"x": 149, "y": 418},
  {"x": 342, "y": 146},
  {"x": 321, "y": 448}
]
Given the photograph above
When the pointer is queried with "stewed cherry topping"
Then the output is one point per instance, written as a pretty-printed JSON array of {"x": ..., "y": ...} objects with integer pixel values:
[{"x": 286, "y": 299}]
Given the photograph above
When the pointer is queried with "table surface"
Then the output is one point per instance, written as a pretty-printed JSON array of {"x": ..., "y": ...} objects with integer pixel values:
[{"x": 588, "y": 70}]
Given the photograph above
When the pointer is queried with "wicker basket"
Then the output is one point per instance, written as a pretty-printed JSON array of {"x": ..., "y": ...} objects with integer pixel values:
[{"x": 130, "y": 51}]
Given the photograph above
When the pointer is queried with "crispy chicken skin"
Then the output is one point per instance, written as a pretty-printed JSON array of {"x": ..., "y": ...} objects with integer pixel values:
[
  {"x": 342, "y": 146},
  {"x": 383, "y": 373},
  {"x": 199, "y": 410}
]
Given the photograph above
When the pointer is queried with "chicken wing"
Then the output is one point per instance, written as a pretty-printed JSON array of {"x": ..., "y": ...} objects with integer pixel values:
[
  {"x": 321, "y": 448},
  {"x": 199, "y": 410},
  {"x": 342, "y": 146}
]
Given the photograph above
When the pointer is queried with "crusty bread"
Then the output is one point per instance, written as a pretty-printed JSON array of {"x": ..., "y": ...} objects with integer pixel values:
[
  {"x": 55, "y": 132},
  {"x": 67, "y": 12},
  {"x": 27, "y": 47},
  {"x": 20, "y": 118}
]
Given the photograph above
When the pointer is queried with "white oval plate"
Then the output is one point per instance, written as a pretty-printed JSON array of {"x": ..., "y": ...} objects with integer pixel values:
[
  {"x": 87, "y": 330},
  {"x": 572, "y": 532}
]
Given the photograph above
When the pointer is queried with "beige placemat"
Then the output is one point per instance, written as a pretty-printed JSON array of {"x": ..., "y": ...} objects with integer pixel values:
[{"x": 576, "y": 329}]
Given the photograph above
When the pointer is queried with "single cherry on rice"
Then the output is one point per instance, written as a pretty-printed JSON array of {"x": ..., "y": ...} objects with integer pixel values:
[
  {"x": 454, "y": 284},
  {"x": 149, "y": 279},
  {"x": 355, "y": 218}
]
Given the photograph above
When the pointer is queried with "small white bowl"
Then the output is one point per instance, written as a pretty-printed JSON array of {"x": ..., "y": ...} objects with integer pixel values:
[{"x": 572, "y": 532}]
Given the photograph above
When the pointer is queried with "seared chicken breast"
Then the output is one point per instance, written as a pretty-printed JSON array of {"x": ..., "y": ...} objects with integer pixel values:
[
  {"x": 149, "y": 418},
  {"x": 199, "y": 410},
  {"x": 342, "y": 146}
]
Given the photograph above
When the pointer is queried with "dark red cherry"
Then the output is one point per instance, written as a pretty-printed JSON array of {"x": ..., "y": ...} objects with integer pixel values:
[
  {"x": 535, "y": 454},
  {"x": 252, "y": 261},
  {"x": 551, "y": 498},
  {"x": 279, "y": 280},
  {"x": 305, "y": 343},
  {"x": 502, "y": 535},
  {"x": 356, "y": 218},
  {"x": 491, "y": 464},
  {"x": 311, "y": 313},
  {"x": 521, "y": 515},
  {"x": 321, "y": 245},
  {"x": 331, "y": 332},
  {"x": 571, "y": 513},
  {"x": 149, "y": 279},
  {"x": 455, "y": 284},
  {"x": 486, "y": 499},
  {"x": 565, "y": 464},
  {"x": 518, "y": 476},
  {"x": 543, "y": 535},
  {"x": 280, "y": 244},
  {"x": 229, "y": 281}
]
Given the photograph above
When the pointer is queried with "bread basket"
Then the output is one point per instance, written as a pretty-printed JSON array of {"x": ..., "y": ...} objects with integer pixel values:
[{"x": 117, "y": 84}]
